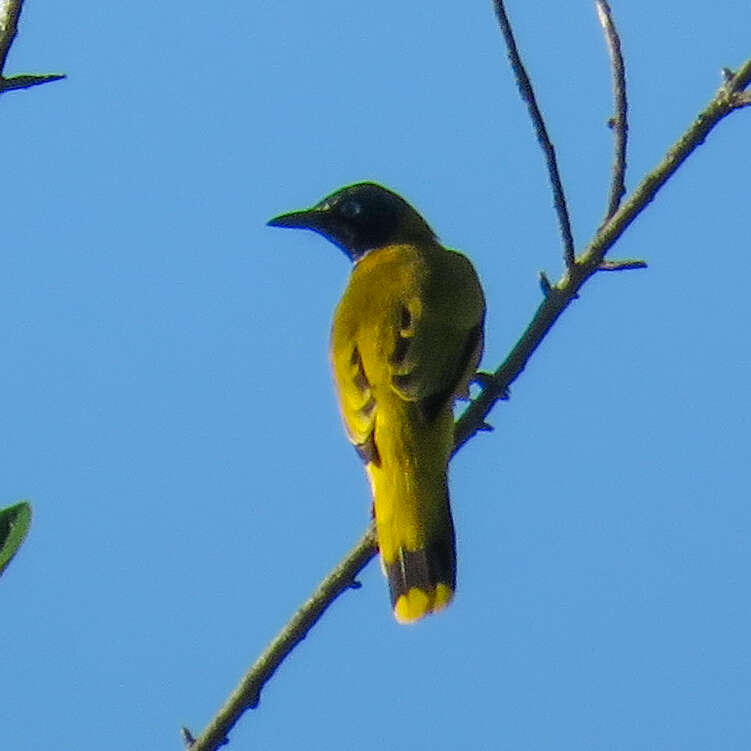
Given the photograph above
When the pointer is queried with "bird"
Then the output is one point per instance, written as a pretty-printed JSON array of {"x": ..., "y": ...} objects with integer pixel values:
[{"x": 406, "y": 339}]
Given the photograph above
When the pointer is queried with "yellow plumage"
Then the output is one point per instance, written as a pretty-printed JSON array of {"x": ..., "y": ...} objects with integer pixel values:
[{"x": 405, "y": 342}]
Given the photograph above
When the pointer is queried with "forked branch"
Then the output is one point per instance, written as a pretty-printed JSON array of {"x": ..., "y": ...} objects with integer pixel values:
[
  {"x": 10, "y": 10},
  {"x": 731, "y": 96}
]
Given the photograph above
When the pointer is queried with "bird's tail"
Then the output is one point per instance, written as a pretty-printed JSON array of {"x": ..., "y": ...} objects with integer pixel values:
[
  {"x": 423, "y": 581},
  {"x": 413, "y": 520}
]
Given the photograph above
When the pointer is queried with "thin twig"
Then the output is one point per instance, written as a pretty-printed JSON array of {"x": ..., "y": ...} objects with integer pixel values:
[
  {"x": 10, "y": 10},
  {"x": 528, "y": 94},
  {"x": 619, "y": 120},
  {"x": 731, "y": 96}
]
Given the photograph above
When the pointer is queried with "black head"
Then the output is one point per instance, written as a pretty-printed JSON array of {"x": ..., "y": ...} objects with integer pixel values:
[{"x": 359, "y": 218}]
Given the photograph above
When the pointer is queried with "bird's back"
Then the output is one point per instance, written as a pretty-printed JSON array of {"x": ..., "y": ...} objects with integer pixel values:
[{"x": 406, "y": 337}]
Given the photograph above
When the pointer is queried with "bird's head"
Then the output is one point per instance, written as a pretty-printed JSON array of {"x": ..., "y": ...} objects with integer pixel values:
[{"x": 360, "y": 218}]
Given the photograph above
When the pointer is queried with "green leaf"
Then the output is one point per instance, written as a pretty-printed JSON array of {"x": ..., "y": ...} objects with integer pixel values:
[{"x": 14, "y": 524}]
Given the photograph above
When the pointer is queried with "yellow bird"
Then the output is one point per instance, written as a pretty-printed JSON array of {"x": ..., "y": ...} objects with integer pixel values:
[{"x": 406, "y": 339}]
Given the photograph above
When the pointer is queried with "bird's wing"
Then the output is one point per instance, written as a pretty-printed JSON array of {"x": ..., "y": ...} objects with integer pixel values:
[
  {"x": 409, "y": 334},
  {"x": 438, "y": 340},
  {"x": 433, "y": 357},
  {"x": 356, "y": 399}
]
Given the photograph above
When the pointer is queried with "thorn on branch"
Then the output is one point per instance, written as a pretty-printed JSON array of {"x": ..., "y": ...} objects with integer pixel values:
[
  {"x": 545, "y": 284},
  {"x": 252, "y": 703},
  {"x": 355, "y": 584},
  {"x": 27, "y": 81},
  {"x": 187, "y": 736},
  {"x": 625, "y": 265},
  {"x": 483, "y": 379},
  {"x": 485, "y": 427},
  {"x": 735, "y": 82}
]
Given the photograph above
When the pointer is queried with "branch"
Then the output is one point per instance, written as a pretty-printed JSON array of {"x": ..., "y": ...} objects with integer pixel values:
[
  {"x": 528, "y": 94},
  {"x": 246, "y": 695},
  {"x": 729, "y": 97},
  {"x": 10, "y": 10},
  {"x": 248, "y": 691},
  {"x": 619, "y": 121}
]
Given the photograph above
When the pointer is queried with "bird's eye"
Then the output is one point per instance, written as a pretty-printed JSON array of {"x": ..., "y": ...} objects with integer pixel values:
[{"x": 350, "y": 209}]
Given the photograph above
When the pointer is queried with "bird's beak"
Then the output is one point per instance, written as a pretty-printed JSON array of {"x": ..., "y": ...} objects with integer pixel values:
[{"x": 307, "y": 219}]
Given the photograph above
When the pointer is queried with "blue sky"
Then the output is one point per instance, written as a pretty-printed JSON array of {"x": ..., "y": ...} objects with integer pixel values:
[{"x": 167, "y": 405}]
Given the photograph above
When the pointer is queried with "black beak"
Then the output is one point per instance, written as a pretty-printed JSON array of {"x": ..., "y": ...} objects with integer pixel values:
[
  {"x": 307, "y": 219},
  {"x": 320, "y": 219}
]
